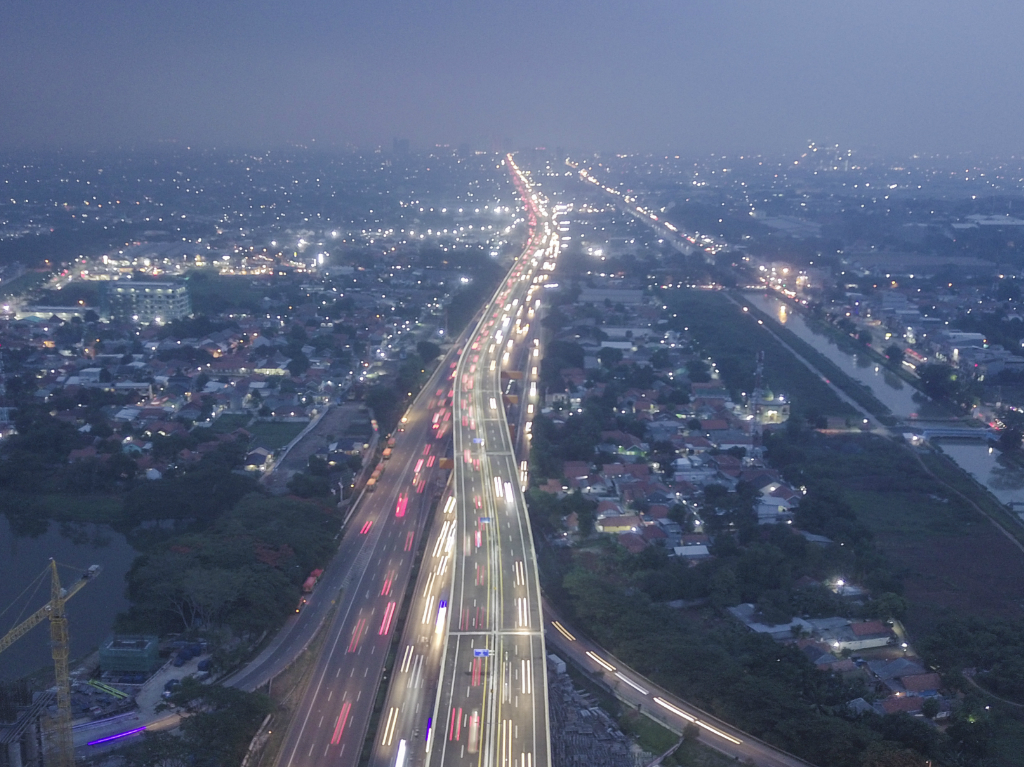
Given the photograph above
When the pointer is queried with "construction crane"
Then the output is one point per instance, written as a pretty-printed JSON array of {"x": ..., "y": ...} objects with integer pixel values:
[{"x": 64, "y": 749}]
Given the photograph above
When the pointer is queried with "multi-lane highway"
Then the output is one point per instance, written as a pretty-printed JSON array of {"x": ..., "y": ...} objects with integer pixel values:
[
  {"x": 334, "y": 712},
  {"x": 469, "y": 682},
  {"x": 493, "y": 609},
  {"x": 491, "y": 706}
]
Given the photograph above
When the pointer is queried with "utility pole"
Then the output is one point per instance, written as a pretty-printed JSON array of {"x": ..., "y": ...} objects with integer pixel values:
[{"x": 758, "y": 384}]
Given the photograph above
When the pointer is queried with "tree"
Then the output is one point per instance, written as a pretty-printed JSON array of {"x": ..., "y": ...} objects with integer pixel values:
[
  {"x": 309, "y": 486},
  {"x": 889, "y": 605},
  {"x": 609, "y": 357},
  {"x": 1010, "y": 439},
  {"x": 661, "y": 359},
  {"x": 691, "y": 733},
  {"x": 938, "y": 380},
  {"x": 930, "y": 708},
  {"x": 428, "y": 350},
  {"x": 894, "y": 352},
  {"x": 698, "y": 371}
]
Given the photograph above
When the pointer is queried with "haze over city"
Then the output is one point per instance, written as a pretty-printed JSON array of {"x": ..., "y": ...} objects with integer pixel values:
[
  {"x": 514, "y": 384},
  {"x": 690, "y": 77}
]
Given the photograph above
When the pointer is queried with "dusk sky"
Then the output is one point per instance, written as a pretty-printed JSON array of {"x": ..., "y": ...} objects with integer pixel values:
[{"x": 681, "y": 77}]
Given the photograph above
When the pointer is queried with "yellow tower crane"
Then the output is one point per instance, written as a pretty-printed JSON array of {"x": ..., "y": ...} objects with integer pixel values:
[{"x": 63, "y": 747}]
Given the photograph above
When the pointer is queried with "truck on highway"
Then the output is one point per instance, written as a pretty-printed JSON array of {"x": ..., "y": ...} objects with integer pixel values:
[
  {"x": 310, "y": 583},
  {"x": 386, "y": 454},
  {"x": 371, "y": 484}
]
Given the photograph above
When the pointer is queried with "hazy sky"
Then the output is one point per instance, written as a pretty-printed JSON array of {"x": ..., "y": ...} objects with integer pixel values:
[{"x": 685, "y": 77}]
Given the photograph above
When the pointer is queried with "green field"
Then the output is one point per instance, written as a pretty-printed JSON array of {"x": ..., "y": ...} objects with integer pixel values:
[
  {"x": 894, "y": 515},
  {"x": 275, "y": 434},
  {"x": 732, "y": 338},
  {"x": 229, "y": 422}
]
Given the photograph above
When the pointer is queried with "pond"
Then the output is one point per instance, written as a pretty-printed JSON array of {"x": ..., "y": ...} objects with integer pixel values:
[{"x": 91, "y": 612}]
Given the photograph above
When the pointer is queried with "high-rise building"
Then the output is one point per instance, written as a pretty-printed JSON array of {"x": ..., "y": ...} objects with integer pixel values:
[{"x": 145, "y": 302}]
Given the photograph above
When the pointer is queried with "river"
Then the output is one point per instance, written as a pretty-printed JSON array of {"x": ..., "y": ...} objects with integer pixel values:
[
  {"x": 1005, "y": 482},
  {"x": 91, "y": 612}
]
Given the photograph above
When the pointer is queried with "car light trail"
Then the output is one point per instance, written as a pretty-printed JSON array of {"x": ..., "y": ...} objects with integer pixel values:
[
  {"x": 339, "y": 727},
  {"x": 455, "y": 729},
  {"x": 565, "y": 632},
  {"x": 407, "y": 658},
  {"x": 676, "y": 711},
  {"x": 389, "y": 727},
  {"x": 357, "y": 634},
  {"x": 426, "y": 609},
  {"x": 389, "y": 614},
  {"x": 366, "y": 526},
  {"x": 447, "y": 530},
  {"x": 600, "y": 661},
  {"x": 631, "y": 684}
]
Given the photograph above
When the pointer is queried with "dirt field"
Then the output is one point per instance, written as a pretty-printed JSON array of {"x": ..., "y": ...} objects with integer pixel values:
[{"x": 952, "y": 559}]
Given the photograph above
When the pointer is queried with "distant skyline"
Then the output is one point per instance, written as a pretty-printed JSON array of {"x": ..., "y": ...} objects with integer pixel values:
[{"x": 679, "y": 77}]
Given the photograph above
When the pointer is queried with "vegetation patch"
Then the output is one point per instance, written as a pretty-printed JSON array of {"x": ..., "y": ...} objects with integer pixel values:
[
  {"x": 275, "y": 434},
  {"x": 735, "y": 338},
  {"x": 229, "y": 422}
]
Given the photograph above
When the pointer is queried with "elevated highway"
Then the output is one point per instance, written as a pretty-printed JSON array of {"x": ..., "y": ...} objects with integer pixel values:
[
  {"x": 364, "y": 596},
  {"x": 491, "y": 706}
]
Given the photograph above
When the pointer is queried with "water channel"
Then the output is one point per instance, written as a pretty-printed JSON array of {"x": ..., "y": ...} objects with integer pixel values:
[
  {"x": 91, "y": 612},
  {"x": 976, "y": 458}
]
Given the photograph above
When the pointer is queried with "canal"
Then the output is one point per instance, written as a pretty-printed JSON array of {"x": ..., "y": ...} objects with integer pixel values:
[{"x": 974, "y": 457}]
